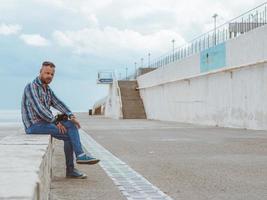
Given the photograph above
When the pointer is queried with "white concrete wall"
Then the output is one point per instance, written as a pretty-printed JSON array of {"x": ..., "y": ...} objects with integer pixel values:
[
  {"x": 247, "y": 48},
  {"x": 226, "y": 99},
  {"x": 99, "y": 104},
  {"x": 113, "y": 105},
  {"x": 187, "y": 66},
  {"x": 236, "y": 99}
]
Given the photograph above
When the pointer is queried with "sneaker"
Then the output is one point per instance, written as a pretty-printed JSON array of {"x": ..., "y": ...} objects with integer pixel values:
[
  {"x": 84, "y": 159},
  {"x": 75, "y": 173}
]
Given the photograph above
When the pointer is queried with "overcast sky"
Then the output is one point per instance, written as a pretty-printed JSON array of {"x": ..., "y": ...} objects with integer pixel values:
[{"x": 84, "y": 36}]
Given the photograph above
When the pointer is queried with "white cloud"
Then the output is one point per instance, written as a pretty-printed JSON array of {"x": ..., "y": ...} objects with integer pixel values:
[
  {"x": 92, "y": 19},
  {"x": 154, "y": 15},
  {"x": 85, "y": 9},
  {"x": 62, "y": 39},
  {"x": 8, "y": 29},
  {"x": 118, "y": 25},
  {"x": 90, "y": 5},
  {"x": 112, "y": 41},
  {"x": 57, "y": 3},
  {"x": 34, "y": 40},
  {"x": 82, "y": 7}
]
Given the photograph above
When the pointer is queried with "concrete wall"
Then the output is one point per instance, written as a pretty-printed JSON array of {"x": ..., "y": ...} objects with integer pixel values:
[
  {"x": 26, "y": 162},
  {"x": 113, "y": 103},
  {"x": 225, "y": 98},
  {"x": 99, "y": 107},
  {"x": 232, "y": 98},
  {"x": 247, "y": 48},
  {"x": 45, "y": 172},
  {"x": 187, "y": 66}
]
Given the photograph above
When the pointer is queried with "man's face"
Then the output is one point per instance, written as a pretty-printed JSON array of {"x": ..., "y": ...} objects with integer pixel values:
[{"x": 47, "y": 74}]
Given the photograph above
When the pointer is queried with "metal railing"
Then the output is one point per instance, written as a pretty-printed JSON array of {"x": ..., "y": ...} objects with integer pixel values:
[
  {"x": 245, "y": 22},
  {"x": 248, "y": 21}
]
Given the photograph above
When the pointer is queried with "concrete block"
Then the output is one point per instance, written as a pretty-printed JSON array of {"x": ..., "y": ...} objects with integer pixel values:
[{"x": 25, "y": 166}]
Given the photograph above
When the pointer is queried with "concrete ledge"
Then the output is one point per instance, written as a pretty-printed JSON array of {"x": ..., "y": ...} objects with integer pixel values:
[
  {"x": 25, "y": 166},
  {"x": 216, "y": 71}
]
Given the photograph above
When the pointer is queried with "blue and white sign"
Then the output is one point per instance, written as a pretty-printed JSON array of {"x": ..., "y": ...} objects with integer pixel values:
[{"x": 105, "y": 77}]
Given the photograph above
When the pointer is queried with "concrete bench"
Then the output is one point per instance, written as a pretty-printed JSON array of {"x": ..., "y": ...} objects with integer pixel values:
[{"x": 25, "y": 166}]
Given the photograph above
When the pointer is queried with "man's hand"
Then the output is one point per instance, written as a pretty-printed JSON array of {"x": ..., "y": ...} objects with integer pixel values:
[
  {"x": 75, "y": 121},
  {"x": 61, "y": 128}
]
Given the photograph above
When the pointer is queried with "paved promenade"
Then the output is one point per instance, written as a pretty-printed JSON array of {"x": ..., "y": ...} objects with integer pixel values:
[
  {"x": 8, "y": 129},
  {"x": 182, "y": 161},
  {"x": 10, "y": 123}
]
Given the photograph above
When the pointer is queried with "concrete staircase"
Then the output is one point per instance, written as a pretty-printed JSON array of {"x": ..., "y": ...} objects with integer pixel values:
[{"x": 132, "y": 104}]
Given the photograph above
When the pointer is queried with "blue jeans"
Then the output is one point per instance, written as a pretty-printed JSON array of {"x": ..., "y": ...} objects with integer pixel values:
[{"x": 71, "y": 138}]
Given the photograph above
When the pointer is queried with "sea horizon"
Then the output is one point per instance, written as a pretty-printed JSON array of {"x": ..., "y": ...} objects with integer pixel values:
[{"x": 9, "y": 117}]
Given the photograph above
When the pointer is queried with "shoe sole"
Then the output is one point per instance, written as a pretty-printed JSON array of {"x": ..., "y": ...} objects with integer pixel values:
[
  {"x": 77, "y": 177},
  {"x": 89, "y": 162}
]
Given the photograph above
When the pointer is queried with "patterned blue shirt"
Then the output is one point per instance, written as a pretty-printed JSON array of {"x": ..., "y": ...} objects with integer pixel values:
[{"x": 36, "y": 102}]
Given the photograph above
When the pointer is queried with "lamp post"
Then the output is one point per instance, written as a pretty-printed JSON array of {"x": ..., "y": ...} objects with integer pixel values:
[
  {"x": 135, "y": 69},
  {"x": 215, "y": 16},
  {"x": 126, "y": 73},
  {"x": 142, "y": 61},
  {"x": 173, "y": 41},
  {"x": 252, "y": 17},
  {"x": 149, "y": 59}
]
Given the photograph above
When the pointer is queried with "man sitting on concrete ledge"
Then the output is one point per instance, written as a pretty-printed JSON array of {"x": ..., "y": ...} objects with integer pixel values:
[{"x": 38, "y": 119}]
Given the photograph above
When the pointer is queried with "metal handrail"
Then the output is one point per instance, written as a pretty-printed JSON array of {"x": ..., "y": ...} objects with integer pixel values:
[
  {"x": 230, "y": 29},
  {"x": 241, "y": 24}
]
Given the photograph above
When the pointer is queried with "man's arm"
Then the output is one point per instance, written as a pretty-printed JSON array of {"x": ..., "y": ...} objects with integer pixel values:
[
  {"x": 59, "y": 105},
  {"x": 39, "y": 108}
]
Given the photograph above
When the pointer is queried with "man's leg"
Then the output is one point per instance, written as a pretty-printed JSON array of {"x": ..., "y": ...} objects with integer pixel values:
[
  {"x": 49, "y": 128},
  {"x": 81, "y": 157},
  {"x": 68, "y": 150},
  {"x": 73, "y": 133}
]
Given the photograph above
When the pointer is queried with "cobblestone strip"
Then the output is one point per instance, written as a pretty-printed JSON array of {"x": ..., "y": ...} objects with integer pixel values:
[{"x": 132, "y": 185}]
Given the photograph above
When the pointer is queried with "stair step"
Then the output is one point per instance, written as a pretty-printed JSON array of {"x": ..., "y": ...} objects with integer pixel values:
[
  {"x": 132, "y": 104},
  {"x": 131, "y": 84},
  {"x": 134, "y": 117},
  {"x": 129, "y": 93}
]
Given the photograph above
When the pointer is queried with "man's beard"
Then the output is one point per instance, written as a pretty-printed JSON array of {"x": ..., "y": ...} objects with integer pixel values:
[{"x": 46, "y": 81}]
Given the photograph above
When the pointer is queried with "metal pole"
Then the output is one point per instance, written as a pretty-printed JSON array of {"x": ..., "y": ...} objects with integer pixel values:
[
  {"x": 126, "y": 72},
  {"x": 215, "y": 16},
  {"x": 265, "y": 14},
  {"x": 142, "y": 60},
  {"x": 173, "y": 41},
  {"x": 149, "y": 59},
  {"x": 135, "y": 69}
]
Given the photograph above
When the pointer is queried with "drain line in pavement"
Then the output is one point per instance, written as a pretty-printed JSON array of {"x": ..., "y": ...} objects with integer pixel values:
[{"x": 131, "y": 184}]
